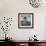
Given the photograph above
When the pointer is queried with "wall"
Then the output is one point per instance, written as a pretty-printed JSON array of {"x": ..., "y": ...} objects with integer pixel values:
[{"x": 11, "y": 8}]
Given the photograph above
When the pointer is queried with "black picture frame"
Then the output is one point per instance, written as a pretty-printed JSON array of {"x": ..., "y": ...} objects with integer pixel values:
[{"x": 25, "y": 20}]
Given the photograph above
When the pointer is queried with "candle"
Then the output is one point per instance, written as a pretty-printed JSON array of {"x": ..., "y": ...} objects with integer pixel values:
[{"x": 7, "y": 35}]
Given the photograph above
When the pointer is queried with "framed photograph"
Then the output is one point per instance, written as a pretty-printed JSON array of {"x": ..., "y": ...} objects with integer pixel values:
[{"x": 25, "y": 20}]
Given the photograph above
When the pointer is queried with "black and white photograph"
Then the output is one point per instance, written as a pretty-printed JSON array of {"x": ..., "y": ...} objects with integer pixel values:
[{"x": 25, "y": 20}]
